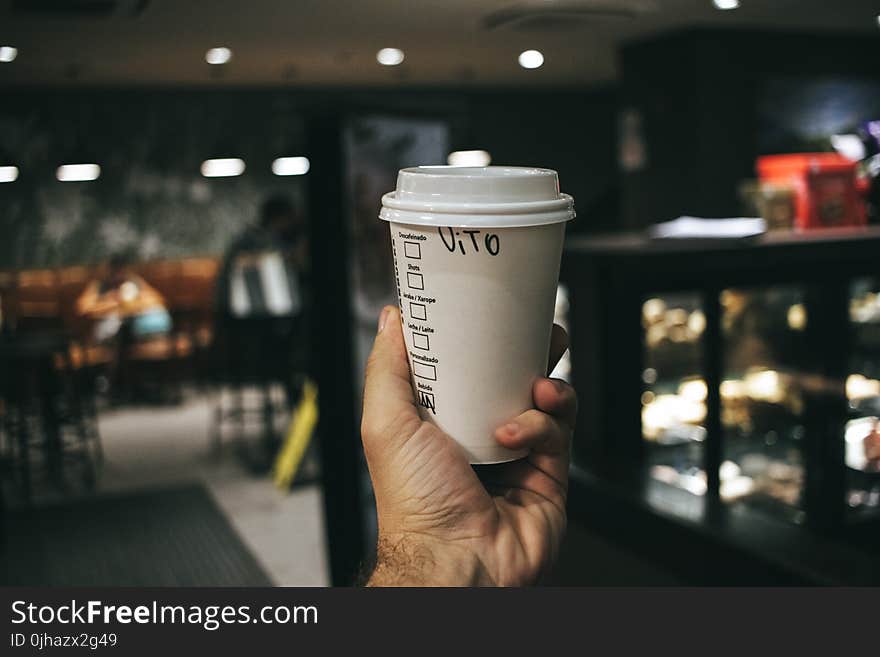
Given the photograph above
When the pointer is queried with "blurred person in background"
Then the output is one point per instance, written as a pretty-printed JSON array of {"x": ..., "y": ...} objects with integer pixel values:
[
  {"x": 125, "y": 309},
  {"x": 123, "y": 300},
  {"x": 259, "y": 294}
]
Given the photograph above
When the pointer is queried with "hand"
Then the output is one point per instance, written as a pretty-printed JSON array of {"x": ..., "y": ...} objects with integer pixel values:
[{"x": 439, "y": 522}]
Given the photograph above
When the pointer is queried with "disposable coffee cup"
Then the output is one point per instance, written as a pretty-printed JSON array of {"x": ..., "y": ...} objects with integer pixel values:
[{"x": 476, "y": 257}]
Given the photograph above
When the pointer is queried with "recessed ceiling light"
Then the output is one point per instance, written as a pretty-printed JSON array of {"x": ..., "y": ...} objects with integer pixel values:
[
  {"x": 8, "y": 174},
  {"x": 218, "y": 55},
  {"x": 8, "y": 53},
  {"x": 290, "y": 166},
  {"x": 77, "y": 172},
  {"x": 469, "y": 158},
  {"x": 531, "y": 59},
  {"x": 390, "y": 56},
  {"x": 724, "y": 5},
  {"x": 223, "y": 167}
]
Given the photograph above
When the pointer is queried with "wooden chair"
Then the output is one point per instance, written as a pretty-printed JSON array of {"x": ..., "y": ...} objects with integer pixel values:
[{"x": 39, "y": 306}]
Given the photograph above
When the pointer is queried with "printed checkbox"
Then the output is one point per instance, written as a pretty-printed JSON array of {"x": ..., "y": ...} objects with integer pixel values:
[
  {"x": 420, "y": 341},
  {"x": 425, "y": 371},
  {"x": 418, "y": 310},
  {"x": 426, "y": 400},
  {"x": 412, "y": 250},
  {"x": 415, "y": 281}
]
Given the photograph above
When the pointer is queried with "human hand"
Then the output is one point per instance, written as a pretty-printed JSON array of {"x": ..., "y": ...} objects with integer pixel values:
[{"x": 440, "y": 522}]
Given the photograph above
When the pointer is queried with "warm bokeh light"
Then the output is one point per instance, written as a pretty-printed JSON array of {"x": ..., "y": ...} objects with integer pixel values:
[
  {"x": 796, "y": 316},
  {"x": 860, "y": 387}
]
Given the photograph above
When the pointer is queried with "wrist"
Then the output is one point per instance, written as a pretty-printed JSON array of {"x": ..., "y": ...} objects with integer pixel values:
[{"x": 417, "y": 560}]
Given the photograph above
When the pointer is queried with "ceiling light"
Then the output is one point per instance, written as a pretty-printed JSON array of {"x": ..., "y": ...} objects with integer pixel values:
[
  {"x": 222, "y": 167},
  {"x": 469, "y": 158},
  {"x": 218, "y": 55},
  {"x": 726, "y": 4},
  {"x": 8, "y": 174},
  {"x": 8, "y": 53},
  {"x": 290, "y": 166},
  {"x": 77, "y": 172},
  {"x": 531, "y": 59},
  {"x": 390, "y": 56}
]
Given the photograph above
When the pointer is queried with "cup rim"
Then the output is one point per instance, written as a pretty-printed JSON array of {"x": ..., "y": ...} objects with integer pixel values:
[{"x": 479, "y": 208}]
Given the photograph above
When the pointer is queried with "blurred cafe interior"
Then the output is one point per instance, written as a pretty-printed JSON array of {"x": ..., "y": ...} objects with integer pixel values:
[{"x": 191, "y": 268}]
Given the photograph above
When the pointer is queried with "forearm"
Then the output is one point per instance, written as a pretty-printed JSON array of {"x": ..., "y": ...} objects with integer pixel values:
[
  {"x": 100, "y": 307},
  {"x": 409, "y": 560}
]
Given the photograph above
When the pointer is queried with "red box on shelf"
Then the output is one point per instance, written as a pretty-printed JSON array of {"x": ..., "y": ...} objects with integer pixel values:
[{"x": 824, "y": 185}]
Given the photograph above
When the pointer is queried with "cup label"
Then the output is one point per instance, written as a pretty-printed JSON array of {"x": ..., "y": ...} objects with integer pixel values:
[
  {"x": 469, "y": 240},
  {"x": 476, "y": 308},
  {"x": 416, "y": 300},
  {"x": 415, "y": 304}
]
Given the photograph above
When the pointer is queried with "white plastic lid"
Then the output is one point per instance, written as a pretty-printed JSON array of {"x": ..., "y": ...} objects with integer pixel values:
[{"x": 484, "y": 197}]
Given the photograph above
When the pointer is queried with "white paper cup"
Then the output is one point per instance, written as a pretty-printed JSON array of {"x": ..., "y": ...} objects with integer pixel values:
[{"x": 476, "y": 256}]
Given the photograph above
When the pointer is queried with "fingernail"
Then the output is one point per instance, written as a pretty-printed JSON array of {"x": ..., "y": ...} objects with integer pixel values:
[
  {"x": 383, "y": 318},
  {"x": 511, "y": 429}
]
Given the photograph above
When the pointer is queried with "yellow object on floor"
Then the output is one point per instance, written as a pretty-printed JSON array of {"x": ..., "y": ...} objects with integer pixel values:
[{"x": 302, "y": 426}]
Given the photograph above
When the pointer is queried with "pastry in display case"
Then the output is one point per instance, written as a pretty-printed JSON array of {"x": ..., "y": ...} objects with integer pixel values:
[
  {"x": 673, "y": 404},
  {"x": 761, "y": 399},
  {"x": 862, "y": 434},
  {"x": 674, "y": 396},
  {"x": 761, "y": 395}
]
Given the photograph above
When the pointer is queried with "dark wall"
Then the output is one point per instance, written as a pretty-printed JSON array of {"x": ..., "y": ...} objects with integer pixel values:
[
  {"x": 152, "y": 200},
  {"x": 573, "y": 133},
  {"x": 698, "y": 93}
]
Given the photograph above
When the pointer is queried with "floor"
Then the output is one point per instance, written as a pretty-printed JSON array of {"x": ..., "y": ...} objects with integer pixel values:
[
  {"x": 588, "y": 559},
  {"x": 170, "y": 537},
  {"x": 164, "y": 447},
  {"x": 154, "y": 447}
]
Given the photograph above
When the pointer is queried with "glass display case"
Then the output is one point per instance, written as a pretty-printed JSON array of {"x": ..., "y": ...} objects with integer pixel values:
[
  {"x": 731, "y": 384},
  {"x": 761, "y": 406}
]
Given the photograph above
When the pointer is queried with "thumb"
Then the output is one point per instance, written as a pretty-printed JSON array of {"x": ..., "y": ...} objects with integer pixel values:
[{"x": 389, "y": 404}]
